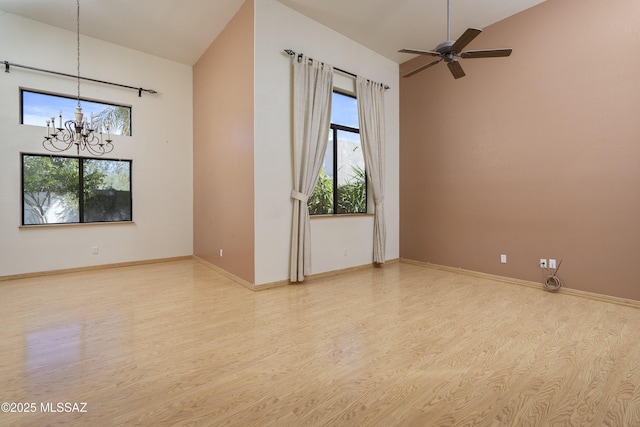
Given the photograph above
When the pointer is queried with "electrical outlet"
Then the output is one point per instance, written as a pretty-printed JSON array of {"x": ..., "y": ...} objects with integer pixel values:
[
  {"x": 552, "y": 263},
  {"x": 543, "y": 262},
  {"x": 503, "y": 258},
  {"x": 220, "y": 253},
  {"x": 95, "y": 250},
  {"x": 345, "y": 252}
]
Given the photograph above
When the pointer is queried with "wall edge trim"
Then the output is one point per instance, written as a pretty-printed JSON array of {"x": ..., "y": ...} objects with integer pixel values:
[
  {"x": 281, "y": 283},
  {"x": 348, "y": 270},
  {"x": 512, "y": 281},
  {"x": 92, "y": 267},
  {"x": 224, "y": 272}
]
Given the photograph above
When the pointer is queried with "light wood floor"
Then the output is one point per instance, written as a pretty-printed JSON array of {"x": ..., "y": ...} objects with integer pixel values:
[{"x": 176, "y": 343}]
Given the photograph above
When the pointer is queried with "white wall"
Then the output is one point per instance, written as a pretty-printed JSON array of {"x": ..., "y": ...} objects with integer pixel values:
[
  {"x": 278, "y": 27},
  {"x": 161, "y": 150}
]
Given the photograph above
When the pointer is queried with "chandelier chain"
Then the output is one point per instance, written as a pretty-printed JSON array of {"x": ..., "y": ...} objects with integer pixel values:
[{"x": 78, "y": 40}]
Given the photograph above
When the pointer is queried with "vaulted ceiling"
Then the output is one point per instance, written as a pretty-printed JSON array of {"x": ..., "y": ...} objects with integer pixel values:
[{"x": 181, "y": 30}]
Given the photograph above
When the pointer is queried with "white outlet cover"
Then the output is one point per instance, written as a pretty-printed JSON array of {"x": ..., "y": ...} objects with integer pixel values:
[{"x": 503, "y": 258}]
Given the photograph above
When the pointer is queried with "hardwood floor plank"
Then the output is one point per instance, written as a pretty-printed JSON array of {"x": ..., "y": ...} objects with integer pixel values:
[{"x": 176, "y": 343}]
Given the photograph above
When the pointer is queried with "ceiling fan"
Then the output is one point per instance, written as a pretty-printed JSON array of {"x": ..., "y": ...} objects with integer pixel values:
[{"x": 450, "y": 50}]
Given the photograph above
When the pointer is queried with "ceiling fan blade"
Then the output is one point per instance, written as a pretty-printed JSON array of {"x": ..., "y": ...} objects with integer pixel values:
[
  {"x": 423, "y": 67},
  {"x": 486, "y": 53},
  {"x": 456, "y": 69},
  {"x": 465, "y": 39},
  {"x": 419, "y": 52}
]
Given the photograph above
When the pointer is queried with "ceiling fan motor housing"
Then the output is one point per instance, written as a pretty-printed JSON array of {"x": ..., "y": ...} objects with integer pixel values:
[{"x": 445, "y": 47}]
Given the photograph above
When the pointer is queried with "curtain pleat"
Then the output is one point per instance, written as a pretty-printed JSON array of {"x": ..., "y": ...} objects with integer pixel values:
[
  {"x": 371, "y": 119},
  {"x": 312, "y": 89}
]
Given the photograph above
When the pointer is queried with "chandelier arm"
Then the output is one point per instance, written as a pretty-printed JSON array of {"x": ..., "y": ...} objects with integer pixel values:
[{"x": 61, "y": 139}]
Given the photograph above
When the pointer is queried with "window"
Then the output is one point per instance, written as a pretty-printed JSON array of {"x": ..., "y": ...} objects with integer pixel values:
[
  {"x": 38, "y": 108},
  {"x": 68, "y": 190},
  {"x": 342, "y": 184}
]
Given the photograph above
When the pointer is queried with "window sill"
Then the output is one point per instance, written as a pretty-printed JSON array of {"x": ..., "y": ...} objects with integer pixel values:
[
  {"x": 76, "y": 224},
  {"x": 341, "y": 215}
]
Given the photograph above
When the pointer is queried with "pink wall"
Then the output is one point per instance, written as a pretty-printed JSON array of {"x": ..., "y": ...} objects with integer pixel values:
[
  {"x": 223, "y": 148},
  {"x": 536, "y": 155}
]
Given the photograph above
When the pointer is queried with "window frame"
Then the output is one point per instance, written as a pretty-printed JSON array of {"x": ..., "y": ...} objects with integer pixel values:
[
  {"x": 334, "y": 128},
  {"x": 81, "y": 190},
  {"x": 74, "y": 98}
]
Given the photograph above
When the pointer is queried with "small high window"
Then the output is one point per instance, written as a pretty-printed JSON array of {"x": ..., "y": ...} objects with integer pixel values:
[
  {"x": 38, "y": 107},
  {"x": 68, "y": 190},
  {"x": 342, "y": 184}
]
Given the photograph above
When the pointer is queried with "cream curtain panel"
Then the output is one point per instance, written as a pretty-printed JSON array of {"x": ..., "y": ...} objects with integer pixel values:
[
  {"x": 312, "y": 90},
  {"x": 371, "y": 118}
]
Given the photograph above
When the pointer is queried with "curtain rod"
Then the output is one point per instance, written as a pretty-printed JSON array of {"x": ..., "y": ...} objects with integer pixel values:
[
  {"x": 292, "y": 53},
  {"x": 8, "y": 64}
]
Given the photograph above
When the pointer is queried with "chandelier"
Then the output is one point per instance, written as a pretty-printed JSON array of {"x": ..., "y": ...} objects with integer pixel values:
[{"x": 79, "y": 132}]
